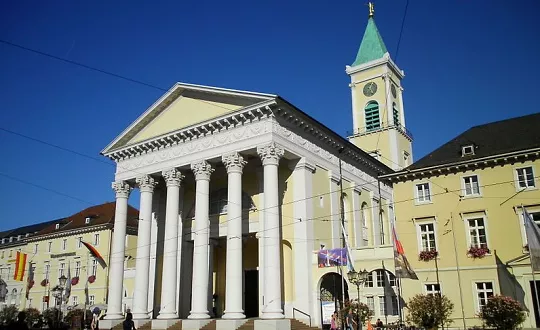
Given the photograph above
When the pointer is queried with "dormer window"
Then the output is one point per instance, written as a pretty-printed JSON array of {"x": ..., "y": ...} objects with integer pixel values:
[
  {"x": 3, "y": 240},
  {"x": 87, "y": 220},
  {"x": 57, "y": 226},
  {"x": 467, "y": 150},
  {"x": 18, "y": 237},
  {"x": 11, "y": 239}
]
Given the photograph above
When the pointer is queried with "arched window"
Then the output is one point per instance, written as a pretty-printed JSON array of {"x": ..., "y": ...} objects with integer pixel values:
[
  {"x": 395, "y": 112},
  {"x": 365, "y": 223},
  {"x": 348, "y": 217},
  {"x": 372, "y": 116}
]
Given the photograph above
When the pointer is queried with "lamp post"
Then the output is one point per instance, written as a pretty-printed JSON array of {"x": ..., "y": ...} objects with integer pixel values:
[
  {"x": 3, "y": 293},
  {"x": 357, "y": 278},
  {"x": 62, "y": 281}
]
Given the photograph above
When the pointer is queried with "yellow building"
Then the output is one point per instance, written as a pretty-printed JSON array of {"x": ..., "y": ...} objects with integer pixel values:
[
  {"x": 55, "y": 249},
  {"x": 468, "y": 194}
]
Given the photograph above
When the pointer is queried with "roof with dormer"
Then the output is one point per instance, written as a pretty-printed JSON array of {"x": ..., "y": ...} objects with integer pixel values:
[{"x": 372, "y": 46}]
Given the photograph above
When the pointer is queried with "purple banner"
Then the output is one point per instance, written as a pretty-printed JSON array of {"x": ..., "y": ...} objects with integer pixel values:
[{"x": 332, "y": 258}]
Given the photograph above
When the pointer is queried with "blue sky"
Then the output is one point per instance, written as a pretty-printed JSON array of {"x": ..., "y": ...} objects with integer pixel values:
[{"x": 466, "y": 63}]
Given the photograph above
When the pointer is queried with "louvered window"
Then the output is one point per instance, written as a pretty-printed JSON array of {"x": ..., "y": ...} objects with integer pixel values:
[{"x": 372, "y": 116}]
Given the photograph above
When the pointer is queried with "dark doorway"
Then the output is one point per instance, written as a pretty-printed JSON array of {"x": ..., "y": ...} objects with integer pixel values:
[
  {"x": 251, "y": 295},
  {"x": 535, "y": 303}
]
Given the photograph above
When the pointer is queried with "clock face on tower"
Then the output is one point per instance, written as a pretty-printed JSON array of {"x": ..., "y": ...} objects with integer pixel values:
[{"x": 370, "y": 88}]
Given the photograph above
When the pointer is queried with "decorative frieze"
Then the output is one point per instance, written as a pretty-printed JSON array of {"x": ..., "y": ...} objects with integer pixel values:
[
  {"x": 234, "y": 162},
  {"x": 202, "y": 170}
]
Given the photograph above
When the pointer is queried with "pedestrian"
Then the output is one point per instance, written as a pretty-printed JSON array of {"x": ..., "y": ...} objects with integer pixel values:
[
  {"x": 379, "y": 324},
  {"x": 333, "y": 322},
  {"x": 349, "y": 321},
  {"x": 128, "y": 322}
]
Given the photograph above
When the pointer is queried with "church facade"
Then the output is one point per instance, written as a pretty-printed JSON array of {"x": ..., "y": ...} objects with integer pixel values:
[{"x": 239, "y": 191}]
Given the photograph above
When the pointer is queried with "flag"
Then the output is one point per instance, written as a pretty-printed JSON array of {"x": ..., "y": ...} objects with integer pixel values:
[
  {"x": 403, "y": 268},
  {"x": 350, "y": 265},
  {"x": 533, "y": 239},
  {"x": 67, "y": 292},
  {"x": 95, "y": 254},
  {"x": 30, "y": 280},
  {"x": 20, "y": 266}
]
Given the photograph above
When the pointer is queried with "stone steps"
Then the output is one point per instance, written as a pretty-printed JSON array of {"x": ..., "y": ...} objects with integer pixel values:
[
  {"x": 299, "y": 325},
  {"x": 249, "y": 325},
  {"x": 210, "y": 326}
]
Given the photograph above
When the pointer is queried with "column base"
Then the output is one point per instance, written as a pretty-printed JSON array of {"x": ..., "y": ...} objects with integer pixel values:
[
  {"x": 194, "y": 324},
  {"x": 271, "y": 315},
  {"x": 167, "y": 315},
  {"x": 164, "y": 324},
  {"x": 114, "y": 316},
  {"x": 141, "y": 316},
  {"x": 229, "y": 324},
  {"x": 198, "y": 316},
  {"x": 272, "y": 324},
  {"x": 233, "y": 315},
  {"x": 109, "y": 324}
]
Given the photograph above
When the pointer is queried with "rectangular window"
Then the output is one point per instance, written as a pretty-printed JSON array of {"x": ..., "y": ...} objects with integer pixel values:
[
  {"x": 94, "y": 267},
  {"x": 471, "y": 186},
  {"x": 525, "y": 177},
  {"x": 49, "y": 248},
  {"x": 79, "y": 242},
  {"x": 74, "y": 300},
  {"x": 477, "y": 233},
  {"x": 43, "y": 306},
  {"x": 423, "y": 194},
  {"x": 427, "y": 237},
  {"x": 91, "y": 300},
  {"x": 382, "y": 305},
  {"x": 372, "y": 116},
  {"x": 380, "y": 278},
  {"x": 96, "y": 239},
  {"x": 61, "y": 269},
  {"x": 47, "y": 269},
  {"x": 64, "y": 244},
  {"x": 433, "y": 288},
  {"x": 484, "y": 290},
  {"x": 77, "y": 268},
  {"x": 395, "y": 307},
  {"x": 36, "y": 248},
  {"x": 369, "y": 281}
]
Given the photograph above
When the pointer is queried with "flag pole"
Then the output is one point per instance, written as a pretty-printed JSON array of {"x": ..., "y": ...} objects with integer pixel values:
[
  {"x": 342, "y": 216},
  {"x": 398, "y": 278}
]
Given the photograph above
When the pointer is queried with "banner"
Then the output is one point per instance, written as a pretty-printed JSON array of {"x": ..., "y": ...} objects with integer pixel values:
[
  {"x": 533, "y": 240},
  {"x": 332, "y": 258},
  {"x": 95, "y": 254},
  {"x": 20, "y": 266},
  {"x": 403, "y": 268},
  {"x": 30, "y": 280}
]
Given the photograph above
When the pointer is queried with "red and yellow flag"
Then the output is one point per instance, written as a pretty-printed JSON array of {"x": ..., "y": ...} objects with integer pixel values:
[{"x": 20, "y": 266}]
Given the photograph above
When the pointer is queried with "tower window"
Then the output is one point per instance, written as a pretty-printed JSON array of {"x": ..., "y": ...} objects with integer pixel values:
[
  {"x": 372, "y": 116},
  {"x": 395, "y": 112}
]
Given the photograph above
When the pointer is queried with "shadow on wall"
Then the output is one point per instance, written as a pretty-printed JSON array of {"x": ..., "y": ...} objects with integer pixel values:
[{"x": 508, "y": 283}]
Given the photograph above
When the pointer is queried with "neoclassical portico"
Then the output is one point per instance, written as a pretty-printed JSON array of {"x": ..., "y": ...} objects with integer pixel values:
[{"x": 203, "y": 255}]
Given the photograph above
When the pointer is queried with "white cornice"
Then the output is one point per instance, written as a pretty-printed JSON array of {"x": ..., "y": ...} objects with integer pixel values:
[
  {"x": 372, "y": 64},
  {"x": 70, "y": 232}
]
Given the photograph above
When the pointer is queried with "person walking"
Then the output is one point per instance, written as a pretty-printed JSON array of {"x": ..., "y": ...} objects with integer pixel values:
[
  {"x": 128, "y": 322},
  {"x": 333, "y": 322}
]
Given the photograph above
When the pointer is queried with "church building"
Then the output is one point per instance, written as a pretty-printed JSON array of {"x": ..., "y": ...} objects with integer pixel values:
[{"x": 241, "y": 191}]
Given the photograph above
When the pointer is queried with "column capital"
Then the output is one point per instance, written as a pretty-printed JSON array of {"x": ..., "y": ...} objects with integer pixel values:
[
  {"x": 270, "y": 153},
  {"x": 202, "y": 170},
  {"x": 146, "y": 183},
  {"x": 234, "y": 162},
  {"x": 173, "y": 177},
  {"x": 121, "y": 188}
]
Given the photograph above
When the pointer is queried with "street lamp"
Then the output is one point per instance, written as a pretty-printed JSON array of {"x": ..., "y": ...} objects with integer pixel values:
[
  {"x": 62, "y": 280},
  {"x": 357, "y": 278}
]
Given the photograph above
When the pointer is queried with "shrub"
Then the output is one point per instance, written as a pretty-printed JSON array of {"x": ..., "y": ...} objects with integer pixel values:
[
  {"x": 73, "y": 314},
  {"x": 503, "y": 313},
  {"x": 8, "y": 314},
  {"x": 32, "y": 316},
  {"x": 429, "y": 311},
  {"x": 359, "y": 311},
  {"x": 51, "y": 317}
]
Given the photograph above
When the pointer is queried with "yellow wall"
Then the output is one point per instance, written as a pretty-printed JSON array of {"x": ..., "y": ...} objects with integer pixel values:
[
  {"x": 321, "y": 209},
  {"x": 498, "y": 201}
]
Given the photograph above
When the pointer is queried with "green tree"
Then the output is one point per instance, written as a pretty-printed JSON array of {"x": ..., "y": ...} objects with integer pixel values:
[
  {"x": 51, "y": 317},
  {"x": 503, "y": 313},
  {"x": 8, "y": 314},
  {"x": 32, "y": 316},
  {"x": 359, "y": 311},
  {"x": 429, "y": 311}
]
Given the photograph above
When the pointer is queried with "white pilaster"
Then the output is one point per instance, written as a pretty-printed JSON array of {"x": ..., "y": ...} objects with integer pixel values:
[
  {"x": 303, "y": 234},
  {"x": 335, "y": 222},
  {"x": 270, "y": 155},
  {"x": 389, "y": 110},
  {"x": 233, "y": 291},
  {"x": 260, "y": 237},
  {"x": 199, "y": 296},
  {"x": 173, "y": 178},
  {"x": 376, "y": 221},
  {"x": 116, "y": 273},
  {"x": 140, "y": 295},
  {"x": 180, "y": 254},
  {"x": 357, "y": 214}
]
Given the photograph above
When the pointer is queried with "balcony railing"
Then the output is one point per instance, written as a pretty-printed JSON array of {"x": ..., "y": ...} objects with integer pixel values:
[{"x": 365, "y": 130}]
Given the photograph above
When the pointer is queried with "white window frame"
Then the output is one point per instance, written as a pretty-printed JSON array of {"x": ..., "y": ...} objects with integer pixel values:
[
  {"x": 74, "y": 300},
  {"x": 476, "y": 292},
  {"x": 417, "y": 196},
  {"x": 47, "y": 269},
  {"x": 464, "y": 186},
  {"x": 371, "y": 304},
  {"x": 531, "y": 209},
  {"x": 422, "y": 222},
  {"x": 91, "y": 299},
  {"x": 426, "y": 291},
  {"x": 79, "y": 242},
  {"x": 77, "y": 268},
  {"x": 384, "y": 311},
  {"x": 94, "y": 267},
  {"x": 61, "y": 268},
  {"x": 466, "y": 218},
  {"x": 36, "y": 246},
  {"x": 466, "y": 148},
  {"x": 96, "y": 239},
  {"x": 516, "y": 178},
  {"x": 49, "y": 247},
  {"x": 64, "y": 244}
]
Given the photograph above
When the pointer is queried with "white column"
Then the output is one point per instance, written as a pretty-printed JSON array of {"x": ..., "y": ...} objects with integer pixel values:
[
  {"x": 173, "y": 178},
  {"x": 401, "y": 110},
  {"x": 116, "y": 273},
  {"x": 140, "y": 295},
  {"x": 389, "y": 110},
  {"x": 199, "y": 295},
  {"x": 233, "y": 290},
  {"x": 270, "y": 155}
]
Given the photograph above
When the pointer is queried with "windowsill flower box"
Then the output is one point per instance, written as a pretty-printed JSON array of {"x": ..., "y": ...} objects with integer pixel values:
[
  {"x": 476, "y": 252},
  {"x": 428, "y": 255}
]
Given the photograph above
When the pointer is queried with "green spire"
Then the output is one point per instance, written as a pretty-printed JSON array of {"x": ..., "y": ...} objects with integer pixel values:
[{"x": 372, "y": 46}]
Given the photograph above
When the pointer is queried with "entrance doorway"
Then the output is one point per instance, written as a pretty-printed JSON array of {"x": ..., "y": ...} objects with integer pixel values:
[
  {"x": 251, "y": 293},
  {"x": 331, "y": 295},
  {"x": 535, "y": 303}
]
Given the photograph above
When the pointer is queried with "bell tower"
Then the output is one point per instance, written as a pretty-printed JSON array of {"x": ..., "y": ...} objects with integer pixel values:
[{"x": 377, "y": 102}]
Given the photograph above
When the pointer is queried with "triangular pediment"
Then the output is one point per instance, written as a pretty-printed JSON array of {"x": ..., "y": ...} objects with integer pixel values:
[{"x": 183, "y": 106}]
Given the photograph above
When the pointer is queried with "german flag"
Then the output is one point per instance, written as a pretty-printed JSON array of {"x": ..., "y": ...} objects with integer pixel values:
[
  {"x": 20, "y": 266},
  {"x": 95, "y": 254}
]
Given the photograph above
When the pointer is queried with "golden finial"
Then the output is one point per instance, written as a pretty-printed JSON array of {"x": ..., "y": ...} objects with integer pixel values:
[{"x": 371, "y": 9}]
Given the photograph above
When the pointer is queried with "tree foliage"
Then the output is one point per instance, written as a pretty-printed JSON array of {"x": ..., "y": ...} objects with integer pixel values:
[
  {"x": 51, "y": 317},
  {"x": 73, "y": 314},
  {"x": 429, "y": 310},
  {"x": 503, "y": 313},
  {"x": 8, "y": 314},
  {"x": 359, "y": 311},
  {"x": 33, "y": 315}
]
